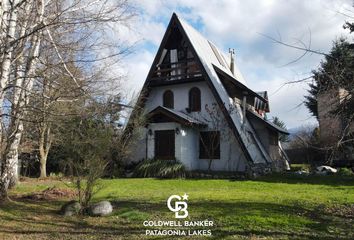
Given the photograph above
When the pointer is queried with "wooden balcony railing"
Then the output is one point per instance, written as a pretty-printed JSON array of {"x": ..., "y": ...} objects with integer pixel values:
[{"x": 177, "y": 70}]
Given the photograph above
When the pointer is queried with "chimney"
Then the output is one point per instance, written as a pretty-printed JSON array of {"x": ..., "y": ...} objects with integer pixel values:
[{"x": 232, "y": 60}]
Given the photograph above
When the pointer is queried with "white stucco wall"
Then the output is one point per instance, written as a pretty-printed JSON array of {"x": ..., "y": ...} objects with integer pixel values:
[
  {"x": 180, "y": 93},
  {"x": 187, "y": 141}
]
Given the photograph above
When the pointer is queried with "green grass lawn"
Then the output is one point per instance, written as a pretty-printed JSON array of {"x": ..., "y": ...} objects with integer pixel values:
[{"x": 271, "y": 207}]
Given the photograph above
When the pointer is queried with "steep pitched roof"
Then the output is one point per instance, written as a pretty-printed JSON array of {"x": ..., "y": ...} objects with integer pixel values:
[
  {"x": 208, "y": 52},
  {"x": 267, "y": 123},
  {"x": 239, "y": 85}
]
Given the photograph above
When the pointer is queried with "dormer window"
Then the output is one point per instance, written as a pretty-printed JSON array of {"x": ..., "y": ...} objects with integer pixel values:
[
  {"x": 194, "y": 100},
  {"x": 168, "y": 100}
]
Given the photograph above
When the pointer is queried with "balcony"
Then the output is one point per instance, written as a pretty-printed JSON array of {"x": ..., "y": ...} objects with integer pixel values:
[{"x": 176, "y": 72}]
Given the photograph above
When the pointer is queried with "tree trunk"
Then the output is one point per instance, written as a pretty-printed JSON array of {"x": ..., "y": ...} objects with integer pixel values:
[
  {"x": 12, "y": 156},
  {"x": 43, "y": 167},
  {"x": 3, "y": 191},
  {"x": 9, "y": 22},
  {"x": 4, "y": 181},
  {"x": 20, "y": 100},
  {"x": 209, "y": 166},
  {"x": 44, "y": 143},
  {"x": 8, "y": 27},
  {"x": 17, "y": 102},
  {"x": 43, "y": 161}
]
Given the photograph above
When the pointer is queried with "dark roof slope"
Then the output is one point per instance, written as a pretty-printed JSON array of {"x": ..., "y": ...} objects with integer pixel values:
[
  {"x": 267, "y": 123},
  {"x": 177, "y": 116}
]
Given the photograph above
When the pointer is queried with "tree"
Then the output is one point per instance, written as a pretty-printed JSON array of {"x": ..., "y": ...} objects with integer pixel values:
[
  {"x": 87, "y": 145},
  {"x": 89, "y": 138},
  {"x": 75, "y": 34},
  {"x": 209, "y": 140},
  {"x": 349, "y": 25},
  {"x": 335, "y": 72},
  {"x": 304, "y": 145},
  {"x": 311, "y": 100},
  {"x": 55, "y": 97},
  {"x": 335, "y": 75},
  {"x": 19, "y": 57},
  {"x": 280, "y": 123}
]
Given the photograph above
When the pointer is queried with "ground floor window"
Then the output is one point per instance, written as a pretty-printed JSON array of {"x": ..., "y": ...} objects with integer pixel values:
[
  {"x": 209, "y": 145},
  {"x": 165, "y": 144}
]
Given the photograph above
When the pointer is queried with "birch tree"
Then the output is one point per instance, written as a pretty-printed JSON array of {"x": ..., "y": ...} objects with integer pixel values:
[
  {"x": 76, "y": 33},
  {"x": 19, "y": 58}
]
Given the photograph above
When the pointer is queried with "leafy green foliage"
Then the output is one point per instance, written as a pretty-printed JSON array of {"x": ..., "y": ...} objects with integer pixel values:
[
  {"x": 300, "y": 167},
  {"x": 349, "y": 25},
  {"x": 88, "y": 143},
  {"x": 345, "y": 172},
  {"x": 311, "y": 100},
  {"x": 336, "y": 71},
  {"x": 160, "y": 169},
  {"x": 280, "y": 123},
  {"x": 87, "y": 147}
]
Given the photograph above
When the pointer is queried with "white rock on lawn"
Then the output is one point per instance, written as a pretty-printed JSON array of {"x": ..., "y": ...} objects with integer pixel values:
[{"x": 102, "y": 208}]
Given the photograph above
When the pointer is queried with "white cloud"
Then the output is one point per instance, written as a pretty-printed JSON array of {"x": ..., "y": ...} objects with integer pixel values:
[
  {"x": 238, "y": 24},
  {"x": 137, "y": 69}
]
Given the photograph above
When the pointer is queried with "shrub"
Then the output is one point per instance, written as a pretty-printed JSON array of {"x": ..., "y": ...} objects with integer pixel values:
[
  {"x": 160, "y": 169},
  {"x": 345, "y": 172},
  {"x": 56, "y": 175},
  {"x": 300, "y": 167}
]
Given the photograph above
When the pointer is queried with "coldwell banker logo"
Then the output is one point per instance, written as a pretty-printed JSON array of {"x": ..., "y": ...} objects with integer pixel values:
[{"x": 179, "y": 207}]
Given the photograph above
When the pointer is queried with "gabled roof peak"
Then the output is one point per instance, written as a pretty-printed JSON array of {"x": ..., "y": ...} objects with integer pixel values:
[{"x": 207, "y": 50}]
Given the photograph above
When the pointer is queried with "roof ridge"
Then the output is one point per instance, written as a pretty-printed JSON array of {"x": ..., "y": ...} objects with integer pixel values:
[
  {"x": 194, "y": 33},
  {"x": 201, "y": 35}
]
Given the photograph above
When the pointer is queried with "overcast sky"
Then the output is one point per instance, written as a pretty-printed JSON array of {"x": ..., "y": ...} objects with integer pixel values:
[{"x": 242, "y": 25}]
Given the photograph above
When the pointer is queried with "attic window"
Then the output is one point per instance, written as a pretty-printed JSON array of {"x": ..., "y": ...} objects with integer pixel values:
[{"x": 217, "y": 54}]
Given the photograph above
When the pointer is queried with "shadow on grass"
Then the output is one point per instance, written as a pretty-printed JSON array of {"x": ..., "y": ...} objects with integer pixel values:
[
  {"x": 28, "y": 217},
  {"x": 274, "y": 220},
  {"x": 240, "y": 219},
  {"x": 286, "y": 177},
  {"x": 291, "y": 178}
]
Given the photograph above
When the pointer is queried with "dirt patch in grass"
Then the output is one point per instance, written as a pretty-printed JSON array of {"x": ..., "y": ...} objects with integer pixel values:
[
  {"x": 346, "y": 210},
  {"x": 52, "y": 193}
]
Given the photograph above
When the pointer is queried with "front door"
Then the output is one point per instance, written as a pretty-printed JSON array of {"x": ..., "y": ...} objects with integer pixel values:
[{"x": 165, "y": 144}]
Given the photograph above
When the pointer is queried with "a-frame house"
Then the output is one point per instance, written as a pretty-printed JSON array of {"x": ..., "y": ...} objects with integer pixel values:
[{"x": 201, "y": 112}]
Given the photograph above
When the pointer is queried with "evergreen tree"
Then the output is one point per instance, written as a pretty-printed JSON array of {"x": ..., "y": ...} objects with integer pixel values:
[
  {"x": 280, "y": 123},
  {"x": 335, "y": 71}
]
